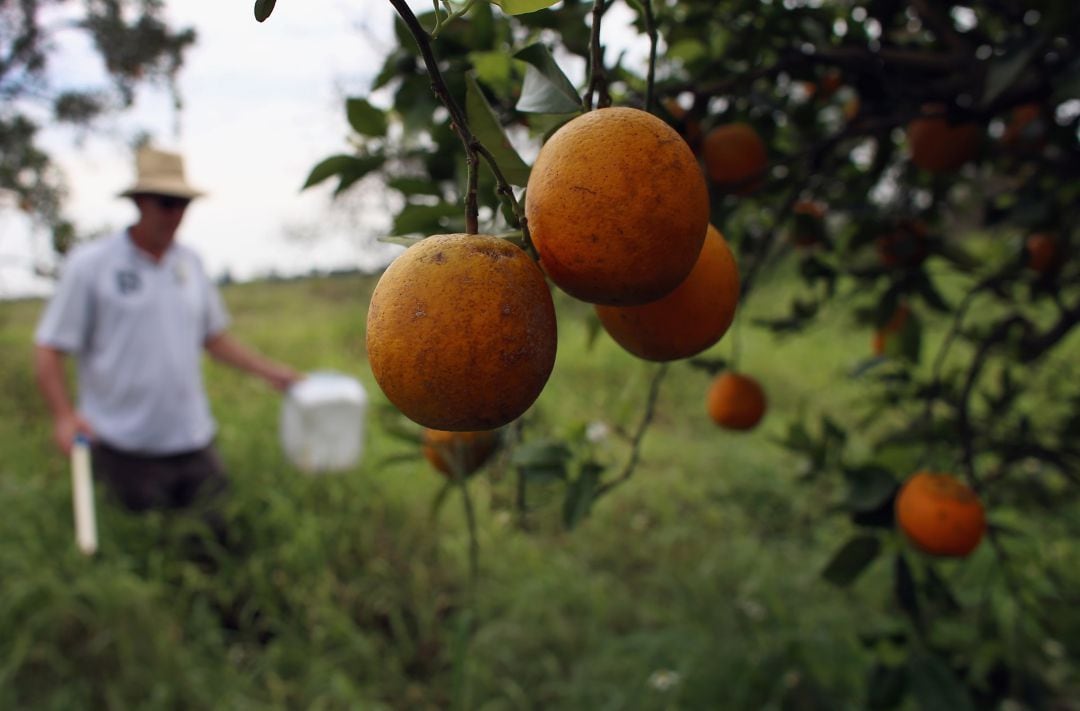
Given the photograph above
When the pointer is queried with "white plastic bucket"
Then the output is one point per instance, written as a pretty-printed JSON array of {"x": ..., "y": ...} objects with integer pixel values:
[{"x": 322, "y": 422}]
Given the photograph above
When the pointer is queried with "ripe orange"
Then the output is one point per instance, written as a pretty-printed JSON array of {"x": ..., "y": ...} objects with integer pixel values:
[
  {"x": 890, "y": 328},
  {"x": 906, "y": 245},
  {"x": 735, "y": 401},
  {"x": 458, "y": 453},
  {"x": 807, "y": 229},
  {"x": 1023, "y": 128},
  {"x": 939, "y": 146},
  {"x": 461, "y": 332},
  {"x": 940, "y": 514},
  {"x": 735, "y": 157},
  {"x": 617, "y": 207},
  {"x": 1041, "y": 251},
  {"x": 688, "y": 320}
]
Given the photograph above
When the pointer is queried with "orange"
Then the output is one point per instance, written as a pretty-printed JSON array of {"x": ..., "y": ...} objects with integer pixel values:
[
  {"x": 461, "y": 332},
  {"x": 1023, "y": 127},
  {"x": 940, "y": 146},
  {"x": 940, "y": 514},
  {"x": 851, "y": 108},
  {"x": 617, "y": 207},
  {"x": 1041, "y": 251},
  {"x": 688, "y": 320},
  {"x": 906, "y": 245},
  {"x": 735, "y": 401},
  {"x": 890, "y": 328},
  {"x": 458, "y": 454},
  {"x": 735, "y": 157},
  {"x": 808, "y": 228}
]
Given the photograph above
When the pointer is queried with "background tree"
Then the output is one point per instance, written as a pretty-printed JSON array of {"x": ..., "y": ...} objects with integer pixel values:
[
  {"x": 919, "y": 171},
  {"x": 136, "y": 46}
]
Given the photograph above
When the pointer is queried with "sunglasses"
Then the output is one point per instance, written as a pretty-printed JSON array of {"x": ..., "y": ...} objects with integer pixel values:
[{"x": 169, "y": 202}]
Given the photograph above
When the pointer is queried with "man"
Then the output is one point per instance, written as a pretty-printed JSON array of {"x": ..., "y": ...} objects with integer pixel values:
[{"x": 136, "y": 310}]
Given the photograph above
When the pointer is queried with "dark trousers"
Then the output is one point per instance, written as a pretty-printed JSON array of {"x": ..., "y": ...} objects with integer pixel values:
[{"x": 143, "y": 482}]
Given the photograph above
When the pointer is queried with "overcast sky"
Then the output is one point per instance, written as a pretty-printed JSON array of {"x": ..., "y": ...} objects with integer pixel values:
[{"x": 262, "y": 104}]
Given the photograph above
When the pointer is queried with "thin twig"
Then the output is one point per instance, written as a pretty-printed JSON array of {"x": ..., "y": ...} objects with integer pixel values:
[
  {"x": 597, "y": 73},
  {"x": 460, "y": 125},
  {"x": 639, "y": 433},
  {"x": 650, "y": 77}
]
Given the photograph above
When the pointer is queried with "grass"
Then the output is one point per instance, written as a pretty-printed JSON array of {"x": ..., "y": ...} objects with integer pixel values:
[{"x": 695, "y": 585}]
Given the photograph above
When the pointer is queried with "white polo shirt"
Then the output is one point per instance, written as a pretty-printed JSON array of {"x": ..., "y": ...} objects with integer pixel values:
[{"x": 137, "y": 328}]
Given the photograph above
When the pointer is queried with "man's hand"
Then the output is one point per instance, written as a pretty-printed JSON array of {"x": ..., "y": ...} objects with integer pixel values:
[{"x": 67, "y": 427}]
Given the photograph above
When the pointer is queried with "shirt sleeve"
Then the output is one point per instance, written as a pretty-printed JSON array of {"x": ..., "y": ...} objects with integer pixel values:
[{"x": 65, "y": 323}]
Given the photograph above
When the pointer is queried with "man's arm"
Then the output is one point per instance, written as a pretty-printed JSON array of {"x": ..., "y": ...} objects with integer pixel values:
[
  {"x": 227, "y": 349},
  {"x": 51, "y": 380}
]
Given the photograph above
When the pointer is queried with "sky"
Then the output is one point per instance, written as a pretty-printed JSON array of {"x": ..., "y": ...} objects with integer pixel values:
[{"x": 262, "y": 104}]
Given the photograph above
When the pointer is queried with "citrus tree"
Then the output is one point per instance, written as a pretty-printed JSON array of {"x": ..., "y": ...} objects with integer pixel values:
[
  {"x": 136, "y": 47},
  {"x": 917, "y": 162}
]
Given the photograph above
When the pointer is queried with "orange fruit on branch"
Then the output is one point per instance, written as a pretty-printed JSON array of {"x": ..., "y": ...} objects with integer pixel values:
[
  {"x": 1042, "y": 252},
  {"x": 735, "y": 157},
  {"x": 688, "y": 320},
  {"x": 617, "y": 207},
  {"x": 458, "y": 454},
  {"x": 736, "y": 401},
  {"x": 938, "y": 145},
  {"x": 461, "y": 332},
  {"x": 940, "y": 514}
]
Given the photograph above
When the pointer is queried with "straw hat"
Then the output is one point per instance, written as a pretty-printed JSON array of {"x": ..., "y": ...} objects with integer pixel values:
[{"x": 160, "y": 173}]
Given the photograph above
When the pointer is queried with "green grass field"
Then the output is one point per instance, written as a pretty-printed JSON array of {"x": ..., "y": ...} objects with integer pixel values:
[{"x": 696, "y": 585}]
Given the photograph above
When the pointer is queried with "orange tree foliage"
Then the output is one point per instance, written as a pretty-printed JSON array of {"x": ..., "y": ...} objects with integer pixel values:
[{"x": 999, "y": 74}]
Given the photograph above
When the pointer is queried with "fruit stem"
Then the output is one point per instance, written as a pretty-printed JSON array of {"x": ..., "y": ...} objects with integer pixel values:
[
  {"x": 639, "y": 433},
  {"x": 460, "y": 125},
  {"x": 597, "y": 74}
]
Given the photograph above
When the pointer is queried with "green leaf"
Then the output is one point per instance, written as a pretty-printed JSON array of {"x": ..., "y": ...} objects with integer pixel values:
[
  {"x": 546, "y": 89},
  {"x": 581, "y": 494},
  {"x": 425, "y": 219},
  {"x": 414, "y": 186},
  {"x": 486, "y": 128},
  {"x": 868, "y": 487},
  {"x": 851, "y": 560},
  {"x": 521, "y": 7},
  {"x": 935, "y": 686},
  {"x": 905, "y": 588},
  {"x": 349, "y": 168},
  {"x": 402, "y": 240},
  {"x": 364, "y": 118},
  {"x": 263, "y": 8},
  {"x": 1002, "y": 73}
]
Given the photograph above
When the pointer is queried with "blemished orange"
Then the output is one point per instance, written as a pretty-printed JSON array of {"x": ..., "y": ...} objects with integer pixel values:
[
  {"x": 458, "y": 453},
  {"x": 617, "y": 207},
  {"x": 890, "y": 328},
  {"x": 736, "y": 401},
  {"x": 940, "y": 514},
  {"x": 938, "y": 146},
  {"x": 735, "y": 157},
  {"x": 1041, "y": 251},
  {"x": 461, "y": 332},
  {"x": 688, "y": 320}
]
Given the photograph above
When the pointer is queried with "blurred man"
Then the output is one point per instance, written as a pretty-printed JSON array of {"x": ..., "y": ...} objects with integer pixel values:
[{"x": 136, "y": 310}]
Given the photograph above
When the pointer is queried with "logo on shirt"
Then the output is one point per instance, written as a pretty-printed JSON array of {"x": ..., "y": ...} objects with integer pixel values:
[{"x": 127, "y": 281}]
